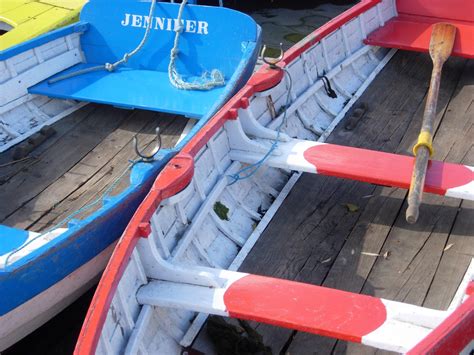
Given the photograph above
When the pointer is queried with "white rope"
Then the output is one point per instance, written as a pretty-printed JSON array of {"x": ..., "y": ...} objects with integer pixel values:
[
  {"x": 207, "y": 81},
  {"x": 112, "y": 66},
  {"x": 127, "y": 56}
]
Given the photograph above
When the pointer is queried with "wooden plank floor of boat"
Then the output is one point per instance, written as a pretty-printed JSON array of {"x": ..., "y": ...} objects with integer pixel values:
[
  {"x": 89, "y": 151},
  {"x": 315, "y": 238}
]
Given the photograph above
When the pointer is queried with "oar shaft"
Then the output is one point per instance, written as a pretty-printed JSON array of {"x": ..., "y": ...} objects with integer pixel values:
[
  {"x": 417, "y": 184},
  {"x": 422, "y": 152},
  {"x": 441, "y": 46}
]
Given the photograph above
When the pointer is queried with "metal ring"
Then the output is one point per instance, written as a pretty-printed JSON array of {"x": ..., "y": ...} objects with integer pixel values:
[{"x": 148, "y": 157}]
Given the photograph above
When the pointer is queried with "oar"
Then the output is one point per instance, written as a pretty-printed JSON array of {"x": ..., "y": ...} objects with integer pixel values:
[{"x": 441, "y": 46}]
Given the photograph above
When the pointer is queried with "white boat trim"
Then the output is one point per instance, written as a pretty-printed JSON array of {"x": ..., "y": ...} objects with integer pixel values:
[{"x": 21, "y": 321}]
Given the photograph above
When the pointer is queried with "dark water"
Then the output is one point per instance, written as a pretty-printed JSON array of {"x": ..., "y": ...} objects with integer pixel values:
[{"x": 59, "y": 335}]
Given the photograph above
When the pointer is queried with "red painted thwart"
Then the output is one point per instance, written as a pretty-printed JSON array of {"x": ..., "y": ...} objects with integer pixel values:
[
  {"x": 305, "y": 307},
  {"x": 409, "y": 33},
  {"x": 384, "y": 168},
  {"x": 411, "y": 29}
]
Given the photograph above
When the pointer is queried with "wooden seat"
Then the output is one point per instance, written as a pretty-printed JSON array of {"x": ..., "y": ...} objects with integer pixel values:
[
  {"x": 132, "y": 88},
  {"x": 411, "y": 29},
  {"x": 455, "y": 180}
]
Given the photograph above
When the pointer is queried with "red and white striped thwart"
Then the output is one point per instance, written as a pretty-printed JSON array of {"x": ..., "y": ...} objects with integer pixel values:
[
  {"x": 329, "y": 312},
  {"x": 454, "y": 180}
]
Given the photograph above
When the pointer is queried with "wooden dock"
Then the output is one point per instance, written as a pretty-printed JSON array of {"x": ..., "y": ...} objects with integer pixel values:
[{"x": 353, "y": 236}]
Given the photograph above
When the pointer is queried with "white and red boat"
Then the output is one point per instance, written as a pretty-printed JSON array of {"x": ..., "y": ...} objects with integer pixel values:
[{"x": 177, "y": 261}]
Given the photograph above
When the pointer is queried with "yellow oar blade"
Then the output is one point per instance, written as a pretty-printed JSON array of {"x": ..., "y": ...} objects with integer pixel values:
[{"x": 442, "y": 41}]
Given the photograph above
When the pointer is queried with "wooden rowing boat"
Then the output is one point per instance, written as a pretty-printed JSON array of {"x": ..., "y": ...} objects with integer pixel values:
[
  {"x": 45, "y": 264},
  {"x": 178, "y": 258},
  {"x": 23, "y": 20}
]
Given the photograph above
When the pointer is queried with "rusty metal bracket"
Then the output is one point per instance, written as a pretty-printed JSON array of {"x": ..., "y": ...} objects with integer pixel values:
[
  {"x": 156, "y": 149},
  {"x": 272, "y": 61}
]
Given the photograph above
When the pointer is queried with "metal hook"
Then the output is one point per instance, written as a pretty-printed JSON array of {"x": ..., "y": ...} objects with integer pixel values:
[
  {"x": 271, "y": 61},
  {"x": 154, "y": 151}
]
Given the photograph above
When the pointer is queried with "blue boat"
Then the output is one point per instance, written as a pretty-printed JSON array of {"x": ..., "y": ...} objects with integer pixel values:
[{"x": 180, "y": 59}]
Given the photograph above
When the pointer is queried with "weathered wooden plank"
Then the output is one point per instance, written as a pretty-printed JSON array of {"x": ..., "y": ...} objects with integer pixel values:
[
  {"x": 79, "y": 173},
  {"x": 95, "y": 186},
  {"x": 68, "y": 150},
  {"x": 459, "y": 249},
  {"x": 408, "y": 273},
  {"x": 62, "y": 127}
]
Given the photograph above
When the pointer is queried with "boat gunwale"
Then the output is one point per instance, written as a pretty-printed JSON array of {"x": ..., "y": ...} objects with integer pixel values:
[{"x": 77, "y": 27}]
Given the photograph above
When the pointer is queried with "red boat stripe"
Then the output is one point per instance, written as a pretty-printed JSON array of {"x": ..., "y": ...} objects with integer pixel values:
[
  {"x": 451, "y": 336},
  {"x": 305, "y": 307},
  {"x": 384, "y": 168}
]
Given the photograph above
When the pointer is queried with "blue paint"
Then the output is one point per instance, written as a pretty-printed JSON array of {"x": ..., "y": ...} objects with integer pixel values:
[
  {"x": 11, "y": 238},
  {"x": 142, "y": 82},
  {"x": 27, "y": 277},
  {"x": 131, "y": 89}
]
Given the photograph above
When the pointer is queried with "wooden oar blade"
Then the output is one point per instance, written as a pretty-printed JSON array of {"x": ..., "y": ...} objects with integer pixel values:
[{"x": 442, "y": 41}]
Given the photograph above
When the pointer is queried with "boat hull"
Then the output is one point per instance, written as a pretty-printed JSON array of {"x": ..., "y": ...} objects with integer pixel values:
[
  {"x": 353, "y": 66},
  {"x": 32, "y": 314}
]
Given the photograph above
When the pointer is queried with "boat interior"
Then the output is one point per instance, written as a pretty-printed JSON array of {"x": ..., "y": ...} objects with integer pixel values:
[
  {"x": 129, "y": 86},
  {"x": 341, "y": 234},
  {"x": 352, "y": 235},
  {"x": 89, "y": 150}
]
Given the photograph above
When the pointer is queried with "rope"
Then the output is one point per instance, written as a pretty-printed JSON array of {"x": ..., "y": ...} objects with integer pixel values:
[
  {"x": 110, "y": 67},
  {"x": 207, "y": 81},
  {"x": 79, "y": 211},
  {"x": 253, "y": 168}
]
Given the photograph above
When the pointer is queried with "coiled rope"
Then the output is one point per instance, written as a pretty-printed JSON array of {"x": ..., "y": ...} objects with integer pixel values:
[{"x": 207, "y": 81}]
